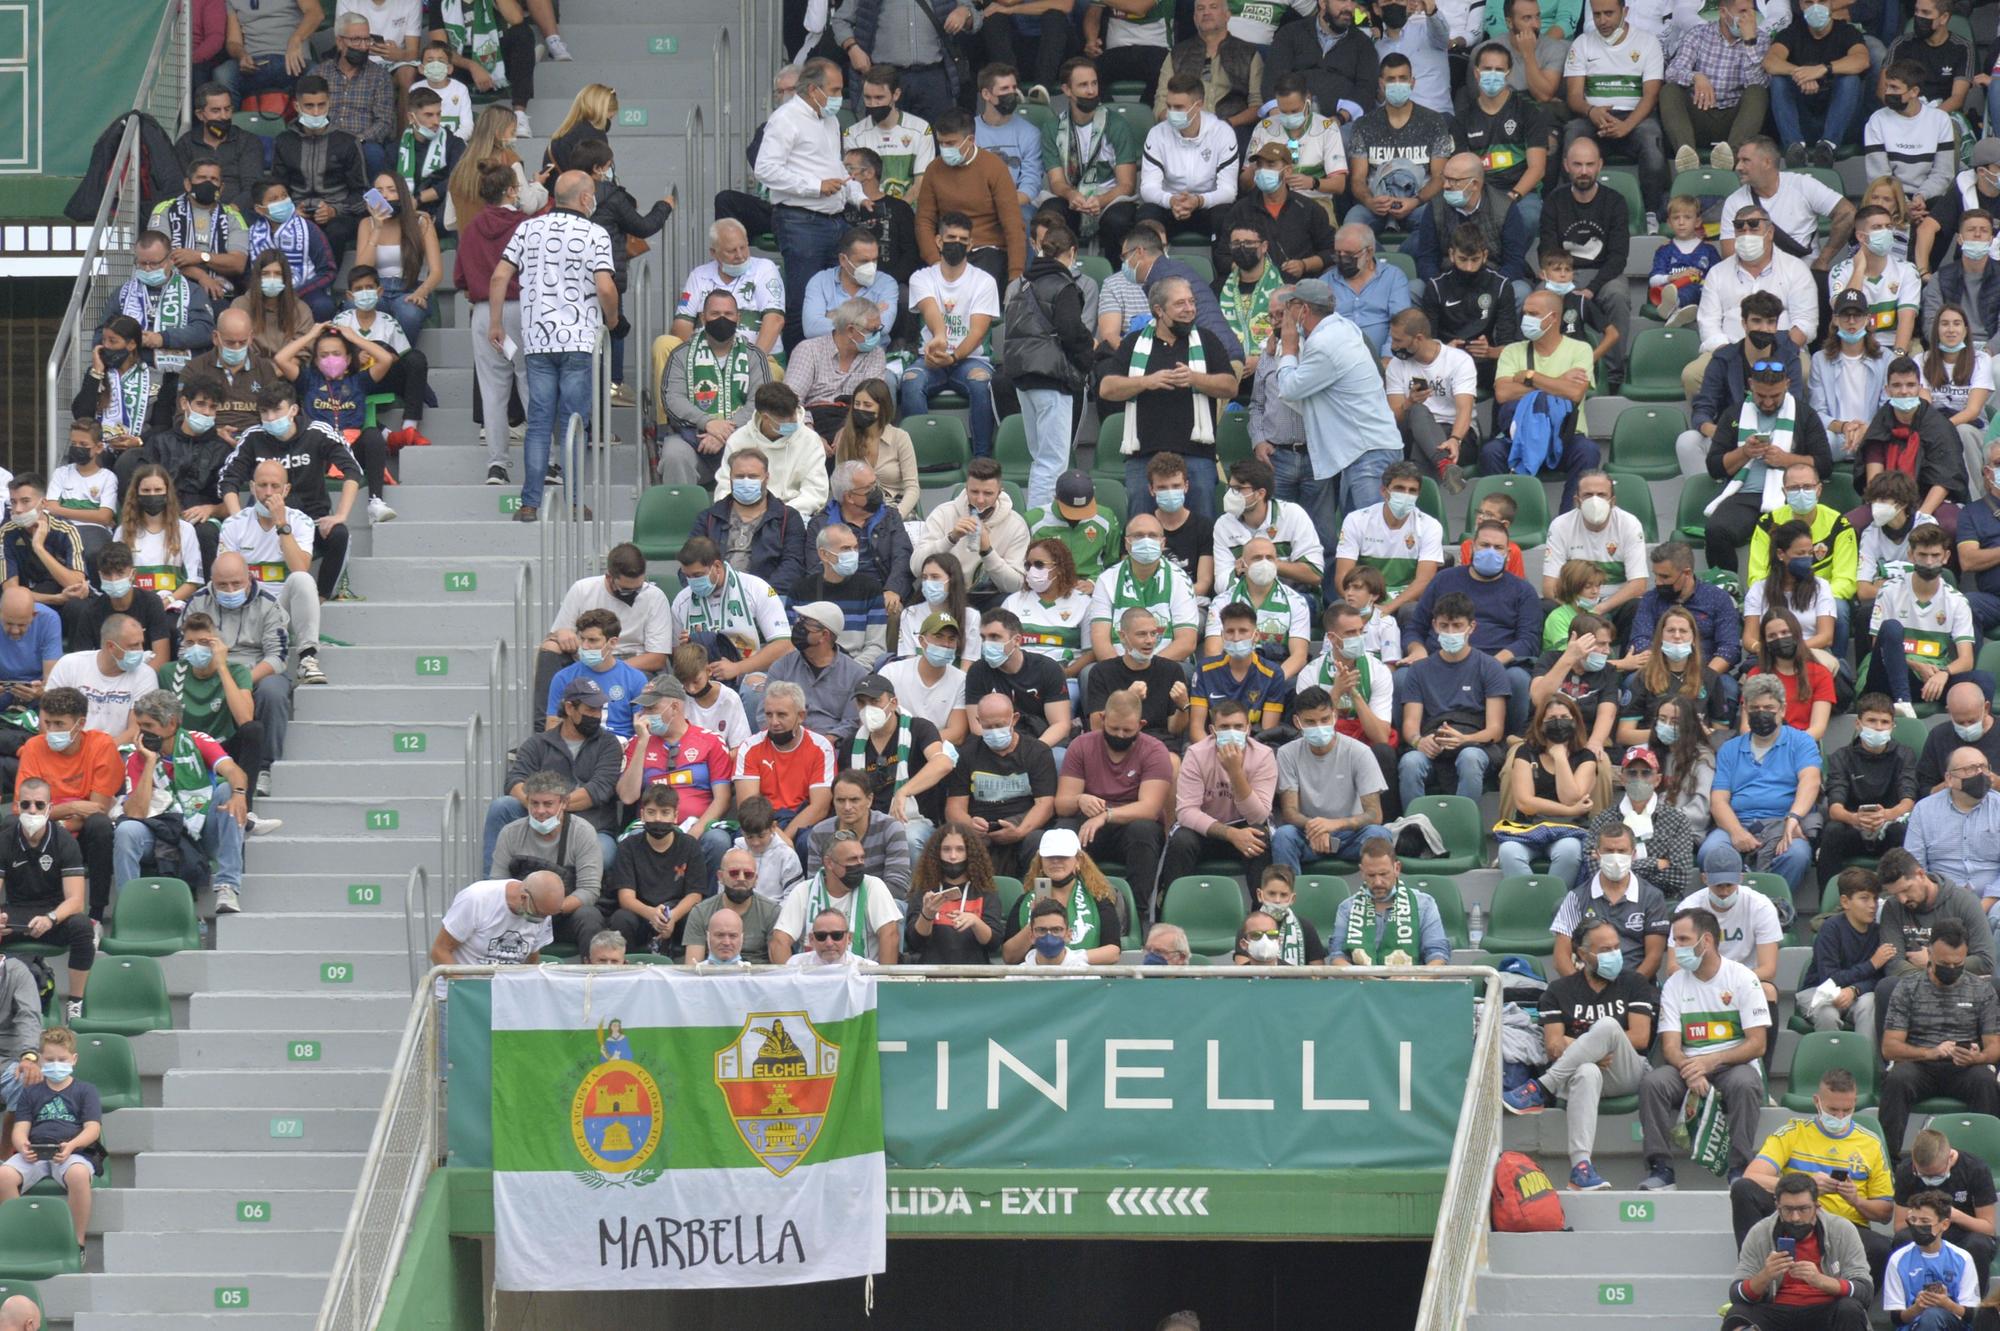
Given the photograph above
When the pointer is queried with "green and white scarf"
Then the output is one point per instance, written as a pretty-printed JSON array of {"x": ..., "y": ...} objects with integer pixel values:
[
  {"x": 1330, "y": 662},
  {"x": 735, "y": 609},
  {"x": 1274, "y": 613},
  {"x": 474, "y": 30},
  {"x": 131, "y": 398},
  {"x": 190, "y": 787},
  {"x": 1085, "y": 920},
  {"x": 417, "y": 161},
  {"x": 859, "y": 761},
  {"x": 856, "y": 912},
  {"x": 1404, "y": 927},
  {"x": 1155, "y": 594},
  {"x": 718, "y": 387},
  {"x": 1708, "y": 1132},
  {"x": 1092, "y": 173},
  {"x": 1781, "y": 442},
  {"x": 1142, "y": 353},
  {"x": 1291, "y": 937},
  {"x": 1249, "y": 312},
  {"x": 158, "y": 312}
]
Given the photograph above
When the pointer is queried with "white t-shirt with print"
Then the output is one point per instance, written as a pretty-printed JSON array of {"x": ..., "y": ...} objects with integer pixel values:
[
  {"x": 1895, "y": 289},
  {"x": 385, "y": 329},
  {"x": 794, "y": 922},
  {"x": 108, "y": 698},
  {"x": 1451, "y": 374},
  {"x": 70, "y": 490},
  {"x": 973, "y": 292},
  {"x": 559, "y": 255},
  {"x": 1883, "y": 560},
  {"x": 933, "y": 702},
  {"x": 1712, "y": 1016},
  {"x": 1615, "y": 74},
  {"x": 1621, "y": 545},
  {"x": 1749, "y": 923},
  {"x": 722, "y": 717},
  {"x": 487, "y": 929}
]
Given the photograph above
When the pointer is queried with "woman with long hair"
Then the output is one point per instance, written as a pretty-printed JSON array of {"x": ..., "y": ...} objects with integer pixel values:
[
  {"x": 491, "y": 144},
  {"x": 953, "y": 917},
  {"x": 1808, "y": 684},
  {"x": 277, "y": 315},
  {"x": 166, "y": 556},
  {"x": 1579, "y": 587},
  {"x": 590, "y": 115},
  {"x": 1096, "y": 913},
  {"x": 122, "y": 392},
  {"x": 870, "y": 434},
  {"x": 1675, "y": 666},
  {"x": 1790, "y": 585},
  {"x": 1554, "y": 788},
  {"x": 1958, "y": 380},
  {"x": 1053, "y": 610},
  {"x": 1911, "y": 236},
  {"x": 940, "y": 586},
  {"x": 400, "y": 244},
  {"x": 1681, "y": 741}
]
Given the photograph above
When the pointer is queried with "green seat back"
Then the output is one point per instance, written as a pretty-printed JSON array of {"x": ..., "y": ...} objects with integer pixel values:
[
  {"x": 1697, "y": 492},
  {"x": 1430, "y": 498},
  {"x": 1111, "y": 496},
  {"x": 1975, "y": 1134},
  {"x": 1523, "y": 905},
  {"x": 1402, "y": 262},
  {"x": 1199, "y": 261},
  {"x": 24, "y": 1288},
  {"x": 1625, "y": 180},
  {"x": 1010, "y": 449},
  {"x": 1839, "y": 493},
  {"x": 37, "y": 1239},
  {"x": 1319, "y": 899},
  {"x": 1037, "y": 115},
  {"x": 1636, "y": 498},
  {"x": 1642, "y": 441},
  {"x": 1097, "y": 266},
  {"x": 1450, "y": 906},
  {"x": 1657, "y": 359},
  {"x": 107, "y": 1063},
  {"x": 1830, "y": 1049},
  {"x": 1458, "y": 821},
  {"x": 1134, "y": 935},
  {"x": 1139, "y": 115},
  {"x": 1531, "y": 507},
  {"x": 941, "y": 447},
  {"x": 1010, "y": 890},
  {"x": 153, "y": 917},
  {"x": 1704, "y": 183},
  {"x": 666, "y": 517},
  {"x": 1209, "y": 909},
  {"x": 1232, "y": 438},
  {"x": 127, "y": 996}
]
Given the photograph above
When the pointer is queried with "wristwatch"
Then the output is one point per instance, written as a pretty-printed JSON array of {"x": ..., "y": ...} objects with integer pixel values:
[
  {"x": 206, "y": 257},
  {"x": 283, "y": 529}
]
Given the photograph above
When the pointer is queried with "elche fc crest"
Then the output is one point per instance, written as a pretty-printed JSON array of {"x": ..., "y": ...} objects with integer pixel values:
[{"x": 778, "y": 1076}]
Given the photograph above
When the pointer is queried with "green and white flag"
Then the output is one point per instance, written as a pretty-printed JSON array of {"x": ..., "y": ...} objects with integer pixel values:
[{"x": 660, "y": 1130}]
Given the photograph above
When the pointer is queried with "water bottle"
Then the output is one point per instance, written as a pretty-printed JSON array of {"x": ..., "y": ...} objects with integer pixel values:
[{"x": 1475, "y": 924}]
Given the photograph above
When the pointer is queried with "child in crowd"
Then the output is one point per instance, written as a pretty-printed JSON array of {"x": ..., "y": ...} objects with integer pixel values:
[
  {"x": 777, "y": 863},
  {"x": 57, "y": 1125},
  {"x": 1470, "y": 305},
  {"x": 1364, "y": 589},
  {"x": 454, "y": 98},
  {"x": 84, "y": 489},
  {"x": 1499, "y": 508},
  {"x": 1680, "y": 265},
  {"x": 1582, "y": 316},
  {"x": 715, "y": 709},
  {"x": 1885, "y": 541}
]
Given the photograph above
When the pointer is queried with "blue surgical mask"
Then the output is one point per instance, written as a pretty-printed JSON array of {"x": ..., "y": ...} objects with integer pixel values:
[
  {"x": 872, "y": 341},
  {"x": 1596, "y": 661},
  {"x": 1531, "y": 327},
  {"x": 1818, "y": 17},
  {"x": 1879, "y": 240},
  {"x": 1801, "y": 501},
  {"x": 935, "y": 590},
  {"x": 56, "y": 1070},
  {"x": 590, "y": 656},
  {"x": 1665, "y": 732},
  {"x": 995, "y": 654},
  {"x": 1231, "y": 739},
  {"x": 1128, "y": 272},
  {"x": 132, "y": 660},
  {"x": 656, "y": 725},
  {"x": 998, "y": 738},
  {"x": 1952, "y": 348},
  {"x": 1397, "y": 94},
  {"x": 939, "y": 655},
  {"x": 1610, "y": 964},
  {"x": 730, "y": 269},
  {"x": 701, "y": 586},
  {"x": 283, "y": 211},
  {"x": 1170, "y": 501},
  {"x": 280, "y": 428},
  {"x": 544, "y": 826},
  {"x": 1876, "y": 739},
  {"x": 1969, "y": 733},
  {"x": 1487, "y": 562},
  {"x": 1401, "y": 503},
  {"x": 1492, "y": 82},
  {"x": 1240, "y": 648},
  {"x": 1904, "y": 403},
  {"x": 1454, "y": 198},
  {"x": 1994, "y": 472},
  {"x": 1319, "y": 736},
  {"x": 236, "y": 355},
  {"x": 366, "y": 298},
  {"x": 1975, "y": 249},
  {"x": 746, "y": 490},
  {"x": 118, "y": 589},
  {"x": 1835, "y": 1125},
  {"x": 1560, "y": 288},
  {"x": 199, "y": 423},
  {"x": 1179, "y": 119},
  {"x": 787, "y": 428},
  {"x": 847, "y": 563},
  {"x": 1292, "y": 120},
  {"x": 1677, "y": 652},
  {"x": 1051, "y": 946},
  {"x": 152, "y": 277},
  {"x": 1851, "y": 336},
  {"x": 60, "y": 740},
  {"x": 1687, "y": 958},
  {"x": 1146, "y": 550},
  {"x": 313, "y": 122},
  {"x": 232, "y": 600},
  {"x": 833, "y": 105},
  {"x": 1267, "y": 180},
  {"x": 1451, "y": 644},
  {"x": 198, "y": 655},
  {"x": 950, "y": 155}
]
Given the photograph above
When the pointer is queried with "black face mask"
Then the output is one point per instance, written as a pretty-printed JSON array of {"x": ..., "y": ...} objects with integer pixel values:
[
  {"x": 659, "y": 831},
  {"x": 1402, "y": 353},
  {"x": 1180, "y": 327},
  {"x": 739, "y": 895},
  {"x": 1558, "y": 730},
  {"x": 802, "y": 635},
  {"x": 151, "y": 743},
  {"x": 80, "y": 457},
  {"x": 864, "y": 420},
  {"x": 1922, "y": 1235},
  {"x": 1087, "y": 105},
  {"x": 1922, "y": 26},
  {"x": 1395, "y": 16},
  {"x": 780, "y": 738},
  {"x": 953, "y": 252},
  {"x": 1784, "y": 649},
  {"x": 720, "y": 330},
  {"x": 1007, "y": 105},
  {"x": 1794, "y": 1229},
  {"x": 588, "y": 726},
  {"x": 206, "y": 193},
  {"x": 1759, "y": 342},
  {"x": 1347, "y": 265},
  {"x": 152, "y": 505},
  {"x": 952, "y": 871},
  {"x": 354, "y": 59},
  {"x": 1118, "y": 743},
  {"x": 627, "y": 594},
  {"x": 1946, "y": 974},
  {"x": 1245, "y": 256},
  {"x": 1763, "y": 724},
  {"x": 1976, "y": 787},
  {"x": 880, "y": 114}
]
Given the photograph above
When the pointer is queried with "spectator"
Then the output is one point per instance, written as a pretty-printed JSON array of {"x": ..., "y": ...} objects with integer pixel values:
[
  {"x": 788, "y": 765},
  {"x": 251, "y": 625},
  {"x": 43, "y": 552},
  {"x": 1164, "y": 371},
  {"x": 1939, "y": 655},
  {"x": 857, "y": 274},
  {"x": 1849, "y": 378},
  {"x": 285, "y": 237},
  {"x": 618, "y": 213},
  {"x": 454, "y": 97},
  {"x": 1053, "y": 618},
  {"x": 1808, "y": 685},
  {"x": 953, "y": 916},
  {"x": 1549, "y": 394},
  {"x": 670, "y": 749},
  {"x": 864, "y": 900},
  {"x": 760, "y": 536},
  {"x": 597, "y": 656},
  {"x": 1919, "y": 439},
  {"x": 216, "y": 700},
  {"x": 588, "y": 120},
  {"x": 777, "y": 863},
  {"x": 1961, "y": 281},
  {"x": 176, "y": 770},
  {"x": 408, "y": 373},
  {"x": 715, "y": 709},
  {"x": 1367, "y": 293},
  {"x": 362, "y": 93},
  {"x": 1979, "y": 546},
  {"x": 1706, "y": 1051},
  {"x": 1091, "y": 156},
  {"x": 1142, "y": 580},
  {"x": 1188, "y": 535},
  {"x": 1000, "y": 129},
  {"x": 1942, "y": 1033},
  {"x": 1894, "y": 289},
  {"x": 1393, "y": 538},
  {"x": 1761, "y": 780},
  {"x": 1942, "y": 1273},
  {"x": 1777, "y": 1288},
  {"x": 1966, "y": 1182},
  {"x": 238, "y": 369},
  {"x": 1915, "y": 904},
  {"x": 112, "y": 678},
  {"x": 644, "y": 624},
  {"x": 1334, "y": 54},
  {"x": 1681, "y": 267},
  {"x": 885, "y": 842},
  {"x": 1722, "y": 64},
  {"x": 1946, "y": 59},
  {"x": 213, "y": 132},
  {"x": 1617, "y": 894},
  {"x": 1395, "y": 153},
  {"x": 1600, "y": 531},
  {"x": 1871, "y": 789},
  {"x": 324, "y": 179},
  {"x": 567, "y": 296},
  {"x": 1234, "y": 667},
  {"x": 1466, "y": 200},
  {"x": 885, "y": 742},
  {"x": 796, "y": 454},
  {"x": 826, "y": 674},
  {"x": 606, "y": 949},
  {"x": 1358, "y": 682},
  {"x": 1226, "y": 791},
  {"x": 1094, "y": 915},
  {"x": 979, "y": 528},
  {"x": 268, "y": 48},
  {"x": 753, "y": 283},
  {"x": 84, "y": 775},
  {"x": 837, "y": 579},
  {"x": 45, "y": 888},
  {"x": 1470, "y": 305},
  {"x": 1035, "y": 683},
  {"x": 1439, "y": 714},
  {"x": 333, "y": 391},
  {"x": 1607, "y": 101},
  {"x": 1506, "y": 615},
  {"x": 1114, "y": 789},
  {"x": 958, "y": 301},
  {"x": 1951, "y": 831},
  {"x": 1329, "y": 789},
  {"x": 1329, "y": 374},
  {"x": 1225, "y": 55},
  {"x": 1390, "y": 923},
  {"x": 1815, "y": 79},
  {"x": 1432, "y": 388},
  {"x": 1278, "y": 620},
  {"x": 755, "y": 913},
  {"x": 1291, "y": 939},
  {"x": 737, "y": 618},
  {"x": 1167, "y": 945},
  {"x": 581, "y": 752},
  {"x": 1828, "y": 540},
  {"x": 1837, "y": 990},
  {"x": 1004, "y": 787},
  {"x": 942, "y": 589},
  {"x": 1159, "y": 680},
  {"x": 1251, "y": 509},
  {"x": 1770, "y": 434},
  {"x": 1953, "y": 373},
  {"x": 482, "y": 239},
  {"x": 799, "y": 162},
  {"x": 1499, "y": 120},
  {"x": 1914, "y": 141},
  {"x": 551, "y": 836},
  {"x": 57, "y": 1131},
  {"x": 1147, "y": 265},
  {"x": 901, "y": 139},
  {"x": 869, "y": 434},
  {"x": 1751, "y": 927},
  {"x": 1829, "y": 1142},
  {"x": 1590, "y": 219},
  {"x": 1550, "y": 789},
  {"x": 499, "y": 922},
  {"x": 1049, "y": 346},
  {"x": 1708, "y": 615},
  {"x": 196, "y": 223},
  {"x": 121, "y": 391},
  {"x": 276, "y": 543},
  {"x": 1597, "y": 1024},
  {"x": 659, "y": 876},
  {"x": 883, "y": 549},
  {"x": 724, "y": 939},
  {"x": 1073, "y": 517}
]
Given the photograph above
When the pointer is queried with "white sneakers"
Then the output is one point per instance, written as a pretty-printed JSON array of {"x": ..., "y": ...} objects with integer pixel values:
[
  {"x": 226, "y": 900},
  {"x": 379, "y": 510},
  {"x": 556, "y": 48}
]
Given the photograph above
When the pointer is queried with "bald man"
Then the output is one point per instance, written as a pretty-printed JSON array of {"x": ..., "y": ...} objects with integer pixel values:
[
  {"x": 563, "y": 260},
  {"x": 756, "y": 915},
  {"x": 1464, "y": 199},
  {"x": 1563, "y": 367},
  {"x": 235, "y": 363},
  {"x": 251, "y": 624},
  {"x": 500, "y": 921},
  {"x": 19, "y": 1313}
]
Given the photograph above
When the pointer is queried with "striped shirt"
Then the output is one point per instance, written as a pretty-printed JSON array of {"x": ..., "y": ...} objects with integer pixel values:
[{"x": 1929, "y": 1013}]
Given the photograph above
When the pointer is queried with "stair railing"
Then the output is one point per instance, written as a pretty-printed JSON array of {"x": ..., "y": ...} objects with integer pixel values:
[
  {"x": 725, "y": 120},
  {"x": 701, "y": 191},
  {"x": 1462, "y": 1211},
  {"x": 417, "y": 910}
]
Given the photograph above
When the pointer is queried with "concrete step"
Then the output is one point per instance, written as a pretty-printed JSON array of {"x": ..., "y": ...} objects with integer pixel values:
[
  {"x": 337, "y": 738},
  {"x": 378, "y": 971},
  {"x": 1546, "y": 1134},
  {"x": 1677, "y": 1212},
  {"x": 367, "y": 818},
  {"x": 114, "y": 1209},
  {"x": 471, "y": 500},
  {"x": 266, "y": 1321},
  {"x": 169, "y": 1293},
  {"x": 1636, "y": 1248},
  {"x": 226, "y": 1131},
  {"x": 361, "y": 935},
  {"x": 1484, "y": 1321},
  {"x": 328, "y": 893},
  {"x": 1632, "y": 1293},
  {"x": 345, "y": 698},
  {"x": 443, "y": 661},
  {"x": 369, "y": 858},
  {"x": 384, "y": 775},
  {"x": 458, "y": 460},
  {"x": 299, "y": 1015},
  {"x": 258, "y": 1248},
  {"x": 159, "y": 1052},
  {"x": 262, "y": 1088},
  {"x": 425, "y": 579},
  {"x": 382, "y": 623},
  {"x": 443, "y": 541},
  {"x": 263, "y": 1169}
]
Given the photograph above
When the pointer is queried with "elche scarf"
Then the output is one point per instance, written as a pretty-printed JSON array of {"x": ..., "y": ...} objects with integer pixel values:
[
  {"x": 1092, "y": 172},
  {"x": 860, "y": 756},
  {"x": 1403, "y": 928},
  {"x": 1781, "y": 441},
  {"x": 733, "y": 605},
  {"x": 188, "y": 784},
  {"x": 180, "y": 219},
  {"x": 1249, "y": 313},
  {"x": 474, "y": 28},
  {"x": 158, "y": 312},
  {"x": 293, "y": 240},
  {"x": 1085, "y": 922},
  {"x": 418, "y": 161},
  {"x": 1330, "y": 663},
  {"x": 1291, "y": 937},
  {"x": 131, "y": 396},
  {"x": 718, "y": 387},
  {"x": 856, "y": 911},
  {"x": 1142, "y": 352},
  {"x": 1157, "y": 590}
]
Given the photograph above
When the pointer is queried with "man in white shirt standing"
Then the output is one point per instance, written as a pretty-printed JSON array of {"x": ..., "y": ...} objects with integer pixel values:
[
  {"x": 1600, "y": 532},
  {"x": 1432, "y": 389},
  {"x": 799, "y": 163},
  {"x": 567, "y": 297},
  {"x": 1757, "y": 265},
  {"x": 1187, "y": 172}
]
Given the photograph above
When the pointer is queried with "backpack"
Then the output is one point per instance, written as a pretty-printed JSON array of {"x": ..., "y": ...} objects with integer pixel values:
[
  {"x": 159, "y": 169},
  {"x": 1524, "y": 1200},
  {"x": 1032, "y": 347}
]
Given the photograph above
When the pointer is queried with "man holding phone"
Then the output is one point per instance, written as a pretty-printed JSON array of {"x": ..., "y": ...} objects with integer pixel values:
[
  {"x": 1846, "y": 1164},
  {"x": 1941, "y": 1034},
  {"x": 1800, "y": 1268}
]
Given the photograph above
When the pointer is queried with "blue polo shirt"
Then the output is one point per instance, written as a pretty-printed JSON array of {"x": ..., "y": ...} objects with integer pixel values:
[
  {"x": 22, "y": 657},
  {"x": 1764, "y": 789},
  {"x": 1979, "y": 523},
  {"x": 621, "y": 684}
]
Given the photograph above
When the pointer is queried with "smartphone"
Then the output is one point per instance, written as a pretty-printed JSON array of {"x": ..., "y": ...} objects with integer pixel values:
[
  {"x": 1866, "y": 808},
  {"x": 1787, "y": 1246},
  {"x": 1044, "y": 889},
  {"x": 1420, "y": 385},
  {"x": 952, "y": 906},
  {"x": 1839, "y": 1175},
  {"x": 377, "y": 201}
]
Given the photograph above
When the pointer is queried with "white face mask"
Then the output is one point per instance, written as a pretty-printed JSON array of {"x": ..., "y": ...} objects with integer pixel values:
[
  {"x": 1262, "y": 572},
  {"x": 1263, "y": 949},
  {"x": 1884, "y": 514},
  {"x": 1615, "y": 865},
  {"x": 1596, "y": 509},
  {"x": 1749, "y": 248}
]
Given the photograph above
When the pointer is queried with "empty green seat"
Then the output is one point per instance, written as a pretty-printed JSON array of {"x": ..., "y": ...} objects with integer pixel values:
[
  {"x": 37, "y": 1239},
  {"x": 1697, "y": 493},
  {"x": 1457, "y": 821},
  {"x": 105, "y": 1061},
  {"x": 941, "y": 447},
  {"x": 1450, "y": 906},
  {"x": 127, "y": 996},
  {"x": 1522, "y": 909},
  {"x": 665, "y": 519},
  {"x": 1642, "y": 441},
  {"x": 1209, "y": 909},
  {"x": 1822, "y": 1050},
  {"x": 1657, "y": 359},
  {"x": 152, "y": 917},
  {"x": 1624, "y": 180},
  {"x": 1975, "y": 1134},
  {"x": 1319, "y": 898},
  {"x": 1010, "y": 449},
  {"x": 1531, "y": 507}
]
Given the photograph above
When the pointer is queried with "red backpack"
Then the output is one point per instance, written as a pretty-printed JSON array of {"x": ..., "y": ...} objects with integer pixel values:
[{"x": 1524, "y": 1200}]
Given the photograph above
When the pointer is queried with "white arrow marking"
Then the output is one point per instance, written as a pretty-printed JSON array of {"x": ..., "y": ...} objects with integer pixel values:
[
  {"x": 1200, "y": 1196},
  {"x": 1111, "y": 1200},
  {"x": 1149, "y": 1200},
  {"x": 1181, "y": 1201}
]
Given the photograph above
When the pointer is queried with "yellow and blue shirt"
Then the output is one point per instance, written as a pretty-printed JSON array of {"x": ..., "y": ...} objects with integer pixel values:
[{"x": 1803, "y": 1145}]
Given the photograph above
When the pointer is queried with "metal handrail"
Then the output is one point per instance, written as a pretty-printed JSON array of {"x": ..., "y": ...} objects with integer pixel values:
[
  {"x": 644, "y": 387},
  {"x": 115, "y": 228},
  {"x": 451, "y": 853},
  {"x": 474, "y": 764},
  {"x": 1461, "y": 1223},
  {"x": 416, "y": 889},
  {"x": 696, "y": 172},
  {"x": 725, "y": 120}
]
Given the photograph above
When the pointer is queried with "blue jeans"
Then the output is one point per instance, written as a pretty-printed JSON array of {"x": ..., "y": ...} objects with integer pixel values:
[
  {"x": 507, "y": 809},
  {"x": 1579, "y": 455},
  {"x": 1565, "y": 859},
  {"x": 558, "y": 388},
  {"x": 1290, "y": 848},
  {"x": 1936, "y": 1319},
  {"x": 1290, "y": 470},
  {"x": 1357, "y": 485},
  {"x": 221, "y": 839},
  {"x": 1891, "y": 668},
  {"x": 1202, "y": 475},
  {"x": 809, "y": 242},
  {"x": 1413, "y": 772},
  {"x": 1790, "y": 866},
  {"x": 269, "y": 76},
  {"x": 973, "y": 377},
  {"x": 1519, "y": 706},
  {"x": 1828, "y": 114},
  {"x": 396, "y": 304},
  {"x": 1046, "y": 414}
]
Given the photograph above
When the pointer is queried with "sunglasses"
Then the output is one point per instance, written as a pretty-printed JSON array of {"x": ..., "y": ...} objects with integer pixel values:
[
  {"x": 32, "y": 806},
  {"x": 1768, "y": 367},
  {"x": 828, "y": 935},
  {"x": 1260, "y": 933}
]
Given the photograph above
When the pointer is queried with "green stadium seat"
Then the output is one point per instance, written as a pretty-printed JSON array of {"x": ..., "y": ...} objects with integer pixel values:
[
  {"x": 1703, "y": 183},
  {"x": 1110, "y": 434},
  {"x": 1096, "y": 265},
  {"x": 942, "y": 449},
  {"x": 1134, "y": 935},
  {"x": 1830, "y": 1049},
  {"x": 1010, "y": 449},
  {"x": 1911, "y": 732},
  {"x": 1839, "y": 493},
  {"x": 1204, "y": 267},
  {"x": 1319, "y": 898},
  {"x": 1522, "y": 909},
  {"x": 152, "y": 917},
  {"x": 1635, "y": 496},
  {"x": 1111, "y": 496},
  {"x": 1209, "y": 909},
  {"x": 1657, "y": 359},
  {"x": 1430, "y": 498},
  {"x": 1038, "y": 115},
  {"x": 24, "y": 1288},
  {"x": 1457, "y": 820},
  {"x": 1010, "y": 890},
  {"x": 263, "y": 126},
  {"x": 1531, "y": 515},
  {"x": 665, "y": 518},
  {"x": 1399, "y": 260},
  {"x": 1232, "y": 438},
  {"x": 1826, "y": 176},
  {"x": 127, "y": 996},
  {"x": 1450, "y": 905},
  {"x": 373, "y": 403},
  {"x": 1128, "y": 90},
  {"x": 1871, "y": 1121},
  {"x": 1016, "y": 496},
  {"x": 1625, "y": 180},
  {"x": 1138, "y": 115},
  {"x": 1642, "y": 442},
  {"x": 107, "y": 1063},
  {"x": 1697, "y": 493},
  {"x": 1975, "y": 1134},
  {"x": 37, "y": 1239}
]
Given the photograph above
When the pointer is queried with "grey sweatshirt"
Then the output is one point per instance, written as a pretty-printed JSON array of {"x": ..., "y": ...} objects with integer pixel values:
[
  {"x": 1909, "y": 929},
  {"x": 20, "y": 1010},
  {"x": 1840, "y": 1256},
  {"x": 578, "y": 850}
]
